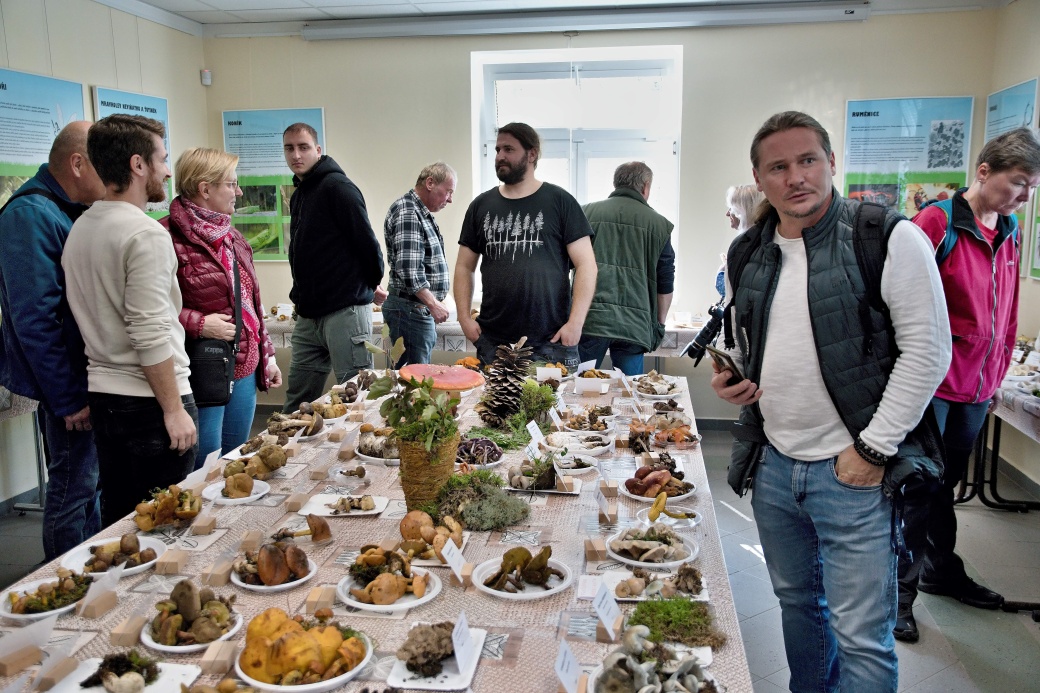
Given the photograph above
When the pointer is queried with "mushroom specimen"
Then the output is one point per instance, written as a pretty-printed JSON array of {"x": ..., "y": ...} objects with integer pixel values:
[{"x": 317, "y": 528}]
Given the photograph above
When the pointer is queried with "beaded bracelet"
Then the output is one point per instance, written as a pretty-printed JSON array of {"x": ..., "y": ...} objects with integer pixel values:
[{"x": 869, "y": 454}]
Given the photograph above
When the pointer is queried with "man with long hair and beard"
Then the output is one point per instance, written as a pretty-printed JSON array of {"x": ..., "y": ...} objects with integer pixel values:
[{"x": 121, "y": 273}]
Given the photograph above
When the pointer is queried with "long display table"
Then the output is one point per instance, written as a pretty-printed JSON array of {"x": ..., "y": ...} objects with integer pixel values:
[{"x": 523, "y": 637}]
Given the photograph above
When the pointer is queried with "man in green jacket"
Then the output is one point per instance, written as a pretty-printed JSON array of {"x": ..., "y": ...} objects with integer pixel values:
[{"x": 636, "y": 273}]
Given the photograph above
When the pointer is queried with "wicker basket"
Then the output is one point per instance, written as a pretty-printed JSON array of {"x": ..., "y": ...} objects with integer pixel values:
[{"x": 423, "y": 472}]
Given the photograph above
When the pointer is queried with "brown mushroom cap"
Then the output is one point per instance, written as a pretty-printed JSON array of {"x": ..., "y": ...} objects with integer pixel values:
[
  {"x": 452, "y": 378},
  {"x": 320, "y": 530}
]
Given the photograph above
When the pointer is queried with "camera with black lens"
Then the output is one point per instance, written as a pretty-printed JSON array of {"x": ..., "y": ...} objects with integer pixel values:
[{"x": 708, "y": 333}]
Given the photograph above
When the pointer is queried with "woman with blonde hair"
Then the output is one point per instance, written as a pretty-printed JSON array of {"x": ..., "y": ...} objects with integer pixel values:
[
  {"x": 209, "y": 250},
  {"x": 742, "y": 201}
]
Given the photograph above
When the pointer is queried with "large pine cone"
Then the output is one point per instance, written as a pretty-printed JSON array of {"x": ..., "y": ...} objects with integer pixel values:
[{"x": 505, "y": 383}]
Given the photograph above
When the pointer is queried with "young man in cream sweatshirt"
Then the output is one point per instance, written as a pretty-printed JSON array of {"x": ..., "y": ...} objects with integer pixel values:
[{"x": 120, "y": 271}]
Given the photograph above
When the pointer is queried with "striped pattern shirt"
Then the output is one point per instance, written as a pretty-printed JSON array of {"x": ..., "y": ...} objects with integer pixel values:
[{"x": 415, "y": 249}]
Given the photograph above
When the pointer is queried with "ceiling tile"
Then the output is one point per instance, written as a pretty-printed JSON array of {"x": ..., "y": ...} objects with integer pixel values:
[
  {"x": 451, "y": 6},
  {"x": 235, "y": 5},
  {"x": 179, "y": 6},
  {"x": 212, "y": 17},
  {"x": 341, "y": 4},
  {"x": 294, "y": 15},
  {"x": 354, "y": 11}
]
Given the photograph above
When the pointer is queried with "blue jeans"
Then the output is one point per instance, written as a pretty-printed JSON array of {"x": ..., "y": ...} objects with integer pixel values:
[
  {"x": 624, "y": 355},
  {"x": 335, "y": 341},
  {"x": 929, "y": 520},
  {"x": 828, "y": 548},
  {"x": 547, "y": 351},
  {"x": 72, "y": 509},
  {"x": 134, "y": 453},
  {"x": 227, "y": 427},
  {"x": 411, "y": 320}
]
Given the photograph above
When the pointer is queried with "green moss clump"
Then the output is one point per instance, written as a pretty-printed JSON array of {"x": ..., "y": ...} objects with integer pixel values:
[
  {"x": 479, "y": 501},
  {"x": 495, "y": 511},
  {"x": 678, "y": 620},
  {"x": 536, "y": 400}
]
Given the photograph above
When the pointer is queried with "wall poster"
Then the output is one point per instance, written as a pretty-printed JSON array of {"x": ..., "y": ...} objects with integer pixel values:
[
  {"x": 904, "y": 152},
  {"x": 33, "y": 110},
  {"x": 262, "y": 214},
  {"x": 111, "y": 101}
]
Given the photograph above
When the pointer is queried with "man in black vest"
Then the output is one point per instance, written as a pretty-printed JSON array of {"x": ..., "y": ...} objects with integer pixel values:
[{"x": 843, "y": 386}]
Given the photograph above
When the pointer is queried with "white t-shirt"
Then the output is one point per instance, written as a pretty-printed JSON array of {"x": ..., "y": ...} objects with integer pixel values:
[{"x": 800, "y": 419}]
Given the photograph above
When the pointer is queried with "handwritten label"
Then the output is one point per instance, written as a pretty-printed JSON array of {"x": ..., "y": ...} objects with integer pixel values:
[
  {"x": 460, "y": 638},
  {"x": 532, "y": 451},
  {"x": 567, "y": 668},
  {"x": 601, "y": 501},
  {"x": 536, "y": 433},
  {"x": 453, "y": 556},
  {"x": 602, "y": 470},
  {"x": 606, "y": 608},
  {"x": 557, "y": 421},
  {"x": 543, "y": 374}
]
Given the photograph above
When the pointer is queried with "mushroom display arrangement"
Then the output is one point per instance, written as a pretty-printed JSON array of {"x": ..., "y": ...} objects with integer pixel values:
[
  {"x": 422, "y": 539},
  {"x": 311, "y": 423},
  {"x": 68, "y": 588},
  {"x": 656, "y": 477},
  {"x": 344, "y": 505},
  {"x": 686, "y": 580},
  {"x": 538, "y": 474},
  {"x": 426, "y": 646},
  {"x": 124, "y": 672},
  {"x": 168, "y": 506},
  {"x": 384, "y": 576},
  {"x": 260, "y": 465},
  {"x": 519, "y": 568},
  {"x": 261, "y": 439},
  {"x": 653, "y": 383},
  {"x": 317, "y": 529},
  {"x": 191, "y": 616},
  {"x": 477, "y": 452},
  {"x": 293, "y": 651},
  {"x": 648, "y": 667},
  {"x": 274, "y": 563},
  {"x": 378, "y": 442},
  {"x": 657, "y": 544},
  {"x": 126, "y": 551}
]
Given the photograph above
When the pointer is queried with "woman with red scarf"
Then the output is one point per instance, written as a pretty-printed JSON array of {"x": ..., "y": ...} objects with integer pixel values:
[{"x": 208, "y": 248}]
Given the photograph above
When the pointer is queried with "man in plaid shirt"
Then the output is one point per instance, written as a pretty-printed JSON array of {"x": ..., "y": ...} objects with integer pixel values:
[{"x": 418, "y": 270}]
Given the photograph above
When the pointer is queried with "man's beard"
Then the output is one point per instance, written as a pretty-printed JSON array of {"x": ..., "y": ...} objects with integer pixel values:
[
  {"x": 156, "y": 190},
  {"x": 514, "y": 174}
]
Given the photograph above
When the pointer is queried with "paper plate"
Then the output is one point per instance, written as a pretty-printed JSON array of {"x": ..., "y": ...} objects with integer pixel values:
[
  {"x": 149, "y": 642},
  {"x": 171, "y": 676},
  {"x": 531, "y": 592},
  {"x": 321, "y": 686},
  {"x": 5, "y": 602},
  {"x": 408, "y": 601},
  {"x": 450, "y": 678},
  {"x": 389, "y": 462},
  {"x": 613, "y": 577},
  {"x": 324, "y": 429},
  {"x": 643, "y": 499},
  {"x": 691, "y": 546},
  {"x": 577, "y": 471},
  {"x": 576, "y": 447},
  {"x": 277, "y": 588},
  {"x": 594, "y": 676},
  {"x": 212, "y": 493},
  {"x": 76, "y": 558},
  {"x": 317, "y": 505}
]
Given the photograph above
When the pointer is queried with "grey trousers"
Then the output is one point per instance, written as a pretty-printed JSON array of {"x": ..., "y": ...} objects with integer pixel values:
[{"x": 333, "y": 342}]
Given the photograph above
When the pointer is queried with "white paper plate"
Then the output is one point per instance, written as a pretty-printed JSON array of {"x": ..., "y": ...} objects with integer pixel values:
[
  {"x": 317, "y": 505},
  {"x": 5, "y": 601},
  {"x": 334, "y": 682},
  {"x": 643, "y": 499},
  {"x": 577, "y": 447},
  {"x": 77, "y": 557},
  {"x": 575, "y": 492},
  {"x": 236, "y": 454},
  {"x": 149, "y": 642},
  {"x": 324, "y": 429},
  {"x": 531, "y": 592},
  {"x": 594, "y": 676},
  {"x": 691, "y": 546},
  {"x": 609, "y": 430},
  {"x": 489, "y": 465},
  {"x": 408, "y": 601},
  {"x": 277, "y": 588},
  {"x": 450, "y": 678},
  {"x": 588, "y": 459},
  {"x": 212, "y": 493},
  {"x": 171, "y": 676},
  {"x": 674, "y": 523},
  {"x": 389, "y": 462},
  {"x": 613, "y": 577}
]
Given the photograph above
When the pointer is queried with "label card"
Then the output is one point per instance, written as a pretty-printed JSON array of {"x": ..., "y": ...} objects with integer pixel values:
[
  {"x": 602, "y": 470},
  {"x": 585, "y": 365},
  {"x": 606, "y": 608},
  {"x": 567, "y": 668},
  {"x": 601, "y": 501},
  {"x": 1033, "y": 359},
  {"x": 543, "y": 374},
  {"x": 531, "y": 451},
  {"x": 297, "y": 436},
  {"x": 536, "y": 433},
  {"x": 460, "y": 638},
  {"x": 211, "y": 459},
  {"x": 624, "y": 380},
  {"x": 555, "y": 416},
  {"x": 453, "y": 556},
  {"x": 596, "y": 385}
]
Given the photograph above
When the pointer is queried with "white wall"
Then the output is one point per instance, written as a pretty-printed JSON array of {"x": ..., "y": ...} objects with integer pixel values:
[{"x": 86, "y": 42}]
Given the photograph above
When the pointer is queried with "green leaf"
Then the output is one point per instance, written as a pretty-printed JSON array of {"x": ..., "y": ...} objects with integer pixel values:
[
  {"x": 397, "y": 350},
  {"x": 385, "y": 333},
  {"x": 372, "y": 348},
  {"x": 429, "y": 412}
]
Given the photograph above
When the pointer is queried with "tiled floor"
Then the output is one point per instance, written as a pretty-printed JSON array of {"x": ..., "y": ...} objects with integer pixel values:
[{"x": 962, "y": 650}]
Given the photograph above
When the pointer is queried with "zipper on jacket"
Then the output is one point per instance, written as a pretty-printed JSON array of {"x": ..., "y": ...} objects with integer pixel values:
[{"x": 992, "y": 327}]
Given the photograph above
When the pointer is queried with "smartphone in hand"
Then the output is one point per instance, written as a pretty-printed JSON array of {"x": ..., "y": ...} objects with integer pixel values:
[{"x": 725, "y": 363}]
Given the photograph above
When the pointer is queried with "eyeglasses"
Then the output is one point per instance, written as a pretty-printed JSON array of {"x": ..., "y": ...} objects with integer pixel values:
[{"x": 233, "y": 184}]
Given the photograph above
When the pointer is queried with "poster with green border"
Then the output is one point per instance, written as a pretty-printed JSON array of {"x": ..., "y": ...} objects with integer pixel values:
[
  {"x": 111, "y": 101},
  {"x": 1034, "y": 261},
  {"x": 903, "y": 152},
  {"x": 262, "y": 214},
  {"x": 1011, "y": 108},
  {"x": 33, "y": 110}
]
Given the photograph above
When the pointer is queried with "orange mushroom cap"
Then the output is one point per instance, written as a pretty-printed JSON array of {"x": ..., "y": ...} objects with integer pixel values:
[{"x": 452, "y": 378}]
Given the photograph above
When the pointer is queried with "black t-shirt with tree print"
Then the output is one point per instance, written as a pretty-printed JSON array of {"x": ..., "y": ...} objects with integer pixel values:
[{"x": 524, "y": 267}]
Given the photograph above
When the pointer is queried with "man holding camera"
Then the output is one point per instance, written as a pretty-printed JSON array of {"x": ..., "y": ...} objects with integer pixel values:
[{"x": 832, "y": 433}]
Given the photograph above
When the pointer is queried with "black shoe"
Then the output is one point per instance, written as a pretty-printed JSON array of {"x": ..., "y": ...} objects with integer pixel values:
[
  {"x": 968, "y": 591},
  {"x": 906, "y": 626}
]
